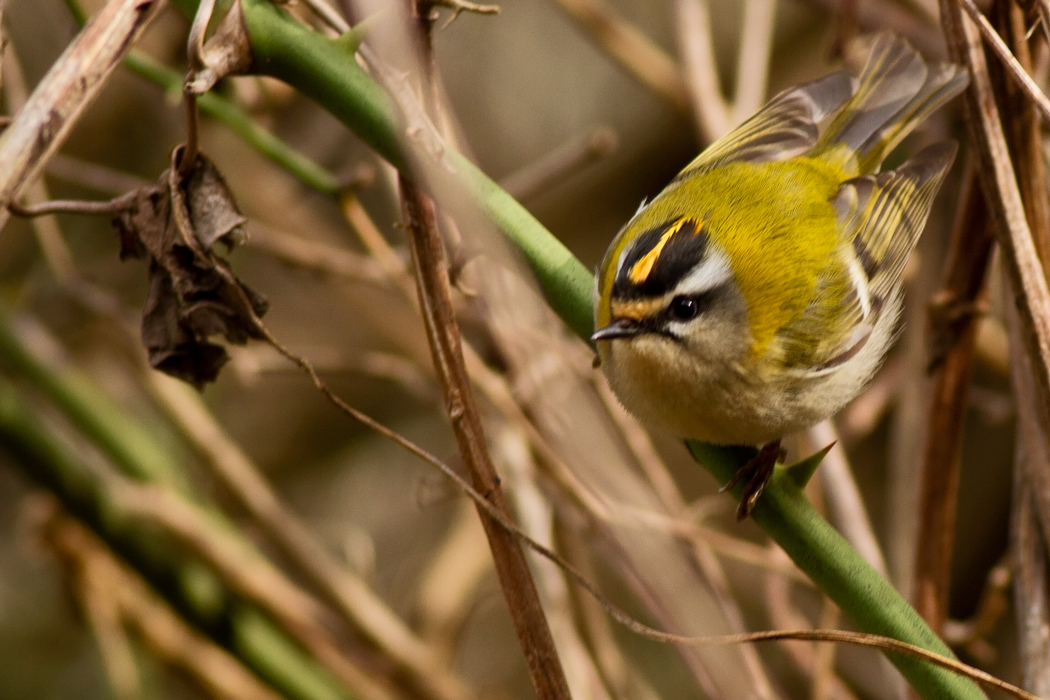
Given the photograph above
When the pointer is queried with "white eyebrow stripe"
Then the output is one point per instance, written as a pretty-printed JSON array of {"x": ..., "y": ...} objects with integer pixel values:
[{"x": 713, "y": 272}]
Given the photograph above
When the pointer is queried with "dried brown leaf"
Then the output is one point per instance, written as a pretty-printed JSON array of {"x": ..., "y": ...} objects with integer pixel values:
[{"x": 193, "y": 294}]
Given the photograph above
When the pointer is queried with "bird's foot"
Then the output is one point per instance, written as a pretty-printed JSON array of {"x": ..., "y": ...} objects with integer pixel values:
[{"x": 757, "y": 473}]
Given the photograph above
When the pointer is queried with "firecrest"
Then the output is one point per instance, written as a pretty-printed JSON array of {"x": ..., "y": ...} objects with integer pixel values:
[{"x": 758, "y": 293}]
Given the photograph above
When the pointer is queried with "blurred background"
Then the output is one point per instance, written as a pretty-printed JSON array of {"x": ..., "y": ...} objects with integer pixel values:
[{"x": 548, "y": 110}]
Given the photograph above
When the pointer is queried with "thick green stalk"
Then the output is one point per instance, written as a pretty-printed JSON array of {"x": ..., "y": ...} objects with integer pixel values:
[{"x": 320, "y": 69}]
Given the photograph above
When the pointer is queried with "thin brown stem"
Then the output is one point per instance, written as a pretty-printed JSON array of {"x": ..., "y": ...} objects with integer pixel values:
[
  {"x": 1031, "y": 585},
  {"x": 443, "y": 334},
  {"x": 460, "y": 6},
  {"x": 954, "y": 323},
  {"x": 193, "y": 120},
  {"x": 350, "y": 595},
  {"x": 1028, "y": 281},
  {"x": 973, "y": 634},
  {"x": 1013, "y": 67},
  {"x": 71, "y": 84},
  {"x": 73, "y": 206}
]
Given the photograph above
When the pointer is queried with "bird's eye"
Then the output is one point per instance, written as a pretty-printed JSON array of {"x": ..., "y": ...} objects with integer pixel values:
[{"x": 684, "y": 308}]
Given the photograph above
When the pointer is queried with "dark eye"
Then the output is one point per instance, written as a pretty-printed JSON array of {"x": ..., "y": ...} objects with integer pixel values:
[{"x": 684, "y": 308}]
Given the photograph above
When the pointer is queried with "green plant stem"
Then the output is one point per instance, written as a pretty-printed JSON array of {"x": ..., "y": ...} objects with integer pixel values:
[
  {"x": 185, "y": 582},
  {"x": 319, "y": 68}
]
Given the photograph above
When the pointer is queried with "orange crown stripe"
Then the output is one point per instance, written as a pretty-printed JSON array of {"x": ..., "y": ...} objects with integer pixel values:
[{"x": 641, "y": 270}]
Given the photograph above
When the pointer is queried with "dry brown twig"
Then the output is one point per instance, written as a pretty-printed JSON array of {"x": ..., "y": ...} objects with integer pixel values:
[
  {"x": 1028, "y": 309},
  {"x": 142, "y": 610},
  {"x": 1028, "y": 281},
  {"x": 1013, "y": 68},
  {"x": 71, "y": 84},
  {"x": 1031, "y": 471},
  {"x": 972, "y": 634},
  {"x": 56, "y": 254},
  {"x": 1028, "y": 547},
  {"x": 1031, "y": 475},
  {"x": 460, "y": 6},
  {"x": 953, "y": 320},
  {"x": 442, "y": 332}
]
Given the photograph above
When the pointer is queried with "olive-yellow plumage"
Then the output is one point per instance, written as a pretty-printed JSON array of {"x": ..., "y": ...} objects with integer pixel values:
[{"x": 759, "y": 291}]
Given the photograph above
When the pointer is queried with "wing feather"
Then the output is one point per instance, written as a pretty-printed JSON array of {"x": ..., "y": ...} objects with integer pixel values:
[
  {"x": 881, "y": 218},
  {"x": 786, "y": 127}
]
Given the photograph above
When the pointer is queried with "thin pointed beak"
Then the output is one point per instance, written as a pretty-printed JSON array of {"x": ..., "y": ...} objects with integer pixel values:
[{"x": 620, "y": 328}]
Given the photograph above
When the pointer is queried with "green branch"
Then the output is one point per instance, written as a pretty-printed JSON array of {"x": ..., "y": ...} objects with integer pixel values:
[{"x": 321, "y": 69}]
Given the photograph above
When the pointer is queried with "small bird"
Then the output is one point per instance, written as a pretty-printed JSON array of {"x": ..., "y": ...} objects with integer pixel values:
[{"x": 758, "y": 293}]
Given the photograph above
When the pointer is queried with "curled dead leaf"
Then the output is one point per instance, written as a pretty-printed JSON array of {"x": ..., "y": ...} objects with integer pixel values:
[{"x": 193, "y": 295}]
